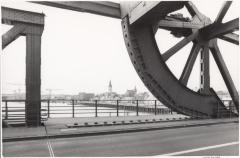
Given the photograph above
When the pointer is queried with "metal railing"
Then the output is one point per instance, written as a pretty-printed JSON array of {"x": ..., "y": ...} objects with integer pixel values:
[
  {"x": 14, "y": 110},
  {"x": 229, "y": 110},
  {"x": 16, "y": 113}
]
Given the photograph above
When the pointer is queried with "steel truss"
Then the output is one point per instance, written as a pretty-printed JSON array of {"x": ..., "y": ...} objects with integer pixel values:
[{"x": 140, "y": 22}]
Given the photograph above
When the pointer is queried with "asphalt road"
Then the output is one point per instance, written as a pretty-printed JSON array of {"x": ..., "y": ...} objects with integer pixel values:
[{"x": 159, "y": 142}]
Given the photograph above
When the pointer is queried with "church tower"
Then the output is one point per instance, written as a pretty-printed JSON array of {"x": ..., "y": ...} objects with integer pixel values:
[
  {"x": 135, "y": 89},
  {"x": 110, "y": 87}
]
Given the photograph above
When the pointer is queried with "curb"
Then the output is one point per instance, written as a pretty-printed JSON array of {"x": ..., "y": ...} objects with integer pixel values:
[
  {"x": 107, "y": 132},
  {"x": 128, "y": 122}
]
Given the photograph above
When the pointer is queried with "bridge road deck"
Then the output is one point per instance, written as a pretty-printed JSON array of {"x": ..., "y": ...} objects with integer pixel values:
[{"x": 147, "y": 143}]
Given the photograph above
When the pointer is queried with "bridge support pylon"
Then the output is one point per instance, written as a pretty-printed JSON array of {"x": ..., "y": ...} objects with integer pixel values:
[
  {"x": 31, "y": 25},
  {"x": 33, "y": 77}
]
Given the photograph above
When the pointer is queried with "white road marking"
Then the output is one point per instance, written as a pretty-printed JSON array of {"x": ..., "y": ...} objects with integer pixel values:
[
  {"x": 49, "y": 144},
  {"x": 199, "y": 149},
  {"x": 50, "y": 149}
]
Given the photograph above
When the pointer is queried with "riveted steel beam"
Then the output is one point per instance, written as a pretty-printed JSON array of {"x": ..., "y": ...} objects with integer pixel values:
[
  {"x": 33, "y": 80},
  {"x": 12, "y": 16},
  {"x": 179, "y": 24},
  {"x": 204, "y": 70},
  {"x": 135, "y": 10},
  {"x": 148, "y": 11},
  {"x": 109, "y": 9}
]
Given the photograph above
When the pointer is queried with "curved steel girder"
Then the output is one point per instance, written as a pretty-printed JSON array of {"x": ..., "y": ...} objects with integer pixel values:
[{"x": 153, "y": 71}]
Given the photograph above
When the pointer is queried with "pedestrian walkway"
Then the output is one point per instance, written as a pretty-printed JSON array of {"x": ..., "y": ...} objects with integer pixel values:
[
  {"x": 70, "y": 127},
  {"x": 58, "y": 122}
]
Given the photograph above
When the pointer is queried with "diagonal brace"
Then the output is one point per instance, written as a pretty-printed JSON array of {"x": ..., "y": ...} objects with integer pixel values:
[
  {"x": 12, "y": 34},
  {"x": 225, "y": 73},
  {"x": 189, "y": 64},
  {"x": 231, "y": 37},
  {"x": 215, "y": 30},
  {"x": 179, "y": 46},
  {"x": 193, "y": 10},
  {"x": 223, "y": 11}
]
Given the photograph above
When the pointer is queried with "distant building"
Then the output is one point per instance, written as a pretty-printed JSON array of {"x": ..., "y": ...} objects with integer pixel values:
[
  {"x": 131, "y": 93},
  {"x": 109, "y": 95},
  {"x": 86, "y": 96},
  {"x": 15, "y": 96},
  {"x": 142, "y": 96},
  {"x": 223, "y": 95}
]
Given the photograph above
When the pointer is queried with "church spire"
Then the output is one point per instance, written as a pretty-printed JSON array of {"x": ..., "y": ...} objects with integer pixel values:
[{"x": 110, "y": 87}]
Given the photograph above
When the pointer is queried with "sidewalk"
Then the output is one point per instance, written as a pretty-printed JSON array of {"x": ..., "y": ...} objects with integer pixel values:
[
  {"x": 58, "y": 127},
  {"x": 62, "y": 122}
]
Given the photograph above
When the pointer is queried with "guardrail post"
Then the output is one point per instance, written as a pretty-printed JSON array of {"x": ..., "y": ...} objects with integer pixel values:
[
  {"x": 155, "y": 107},
  {"x": 117, "y": 108},
  {"x": 217, "y": 110},
  {"x": 48, "y": 106},
  {"x": 96, "y": 114},
  {"x": 137, "y": 107},
  {"x": 6, "y": 110},
  {"x": 73, "y": 108}
]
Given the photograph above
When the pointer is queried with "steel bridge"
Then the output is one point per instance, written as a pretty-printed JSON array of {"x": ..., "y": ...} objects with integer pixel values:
[{"x": 140, "y": 22}]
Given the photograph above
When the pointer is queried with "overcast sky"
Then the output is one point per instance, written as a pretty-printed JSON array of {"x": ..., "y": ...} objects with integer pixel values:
[{"x": 82, "y": 52}]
